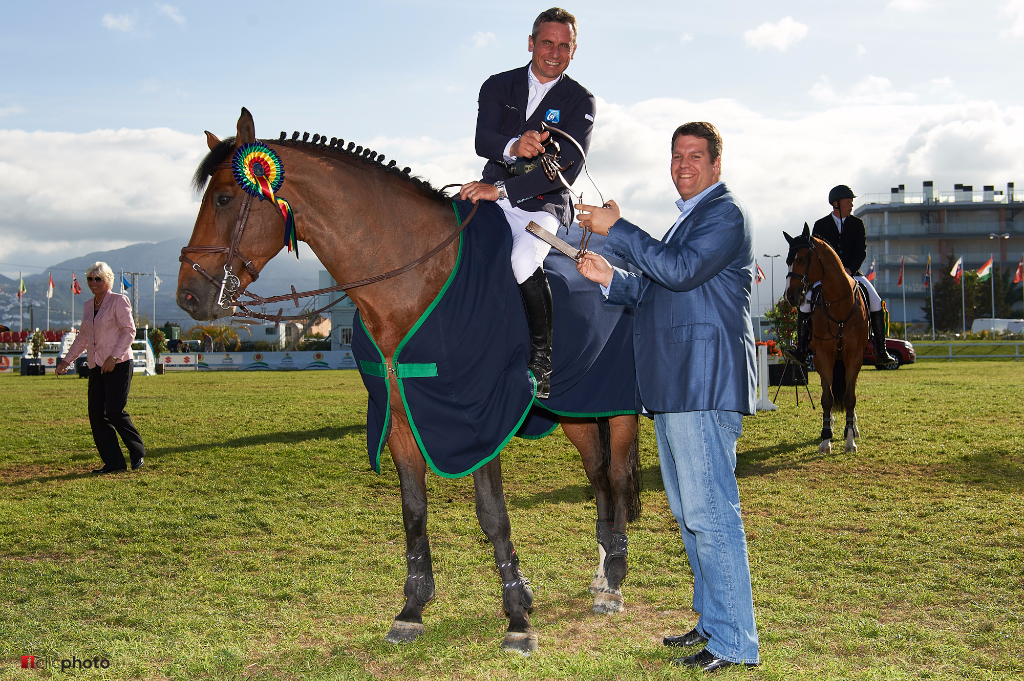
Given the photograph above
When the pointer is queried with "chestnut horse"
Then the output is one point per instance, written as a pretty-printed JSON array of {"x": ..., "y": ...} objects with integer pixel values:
[
  {"x": 362, "y": 219},
  {"x": 839, "y": 328}
]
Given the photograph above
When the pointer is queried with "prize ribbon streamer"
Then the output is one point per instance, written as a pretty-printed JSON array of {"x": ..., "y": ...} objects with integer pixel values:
[{"x": 258, "y": 171}]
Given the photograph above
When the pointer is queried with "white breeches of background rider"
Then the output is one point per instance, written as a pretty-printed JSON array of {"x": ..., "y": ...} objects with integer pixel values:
[
  {"x": 874, "y": 300},
  {"x": 528, "y": 252}
]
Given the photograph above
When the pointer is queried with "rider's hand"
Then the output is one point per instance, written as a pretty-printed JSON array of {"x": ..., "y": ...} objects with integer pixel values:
[
  {"x": 595, "y": 268},
  {"x": 475, "y": 191},
  {"x": 529, "y": 145},
  {"x": 598, "y": 219}
]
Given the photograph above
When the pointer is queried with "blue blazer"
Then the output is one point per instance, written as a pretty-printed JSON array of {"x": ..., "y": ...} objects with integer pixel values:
[
  {"x": 502, "y": 116},
  {"x": 692, "y": 337}
]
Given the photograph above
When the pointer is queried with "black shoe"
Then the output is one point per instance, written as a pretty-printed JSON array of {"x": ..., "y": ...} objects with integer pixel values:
[
  {"x": 138, "y": 463},
  {"x": 883, "y": 360},
  {"x": 109, "y": 469},
  {"x": 707, "y": 662},
  {"x": 536, "y": 296},
  {"x": 690, "y": 638}
]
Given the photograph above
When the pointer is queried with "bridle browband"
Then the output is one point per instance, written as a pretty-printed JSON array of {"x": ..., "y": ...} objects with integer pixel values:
[{"x": 229, "y": 293}]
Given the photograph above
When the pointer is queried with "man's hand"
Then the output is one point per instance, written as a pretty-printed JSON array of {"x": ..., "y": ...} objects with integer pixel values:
[
  {"x": 595, "y": 268},
  {"x": 62, "y": 366},
  {"x": 475, "y": 191},
  {"x": 598, "y": 219},
  {"x": 529, "y": 145},
  {"x": 108, "y": 365}
]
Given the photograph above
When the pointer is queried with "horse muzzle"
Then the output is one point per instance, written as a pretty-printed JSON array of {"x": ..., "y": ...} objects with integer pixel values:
[{"x": 200, "y": 302}]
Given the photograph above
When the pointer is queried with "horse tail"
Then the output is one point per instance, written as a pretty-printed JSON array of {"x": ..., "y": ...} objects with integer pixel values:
[
  {"x": 633, "y": 473},
  {"x": 839, "y": 387}
]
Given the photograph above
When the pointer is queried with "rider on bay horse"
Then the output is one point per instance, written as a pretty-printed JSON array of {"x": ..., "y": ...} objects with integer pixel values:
[
  {"x": 512, "y": 106},
  {"x": 846, "y": 235}
]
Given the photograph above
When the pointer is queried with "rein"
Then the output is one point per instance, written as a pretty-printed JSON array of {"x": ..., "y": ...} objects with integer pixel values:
[{"x": 229, "y": 294}]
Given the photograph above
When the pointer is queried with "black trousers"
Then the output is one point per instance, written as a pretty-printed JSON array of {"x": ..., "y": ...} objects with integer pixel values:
[{"x": 108, "y": 395}]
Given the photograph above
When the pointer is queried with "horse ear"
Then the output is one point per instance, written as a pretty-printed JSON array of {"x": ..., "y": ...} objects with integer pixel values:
[
  {"x": 211, "y": 140},
  {"x": 807, "y": 231},
  {"x": 788, "y": 238},
  {"x": 246, "y": 129}
]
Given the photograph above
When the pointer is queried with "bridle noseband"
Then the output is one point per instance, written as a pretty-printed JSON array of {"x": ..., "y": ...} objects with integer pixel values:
[{"x": 806, "y": 285}]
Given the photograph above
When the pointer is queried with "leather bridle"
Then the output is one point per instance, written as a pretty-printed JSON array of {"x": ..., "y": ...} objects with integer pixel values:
[
  {"x": 806, "y": 285},
  {"x": 229, "y": 294}
]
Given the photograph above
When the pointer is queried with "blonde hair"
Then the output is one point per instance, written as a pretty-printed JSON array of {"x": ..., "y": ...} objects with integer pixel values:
[{"x": 103, "y": 269}]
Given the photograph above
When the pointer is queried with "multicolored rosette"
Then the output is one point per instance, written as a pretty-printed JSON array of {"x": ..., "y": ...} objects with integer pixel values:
[{"x": 258, "y": 171}]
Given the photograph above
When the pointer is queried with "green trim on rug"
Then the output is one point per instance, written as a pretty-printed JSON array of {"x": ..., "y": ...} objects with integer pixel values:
[{"x": 387, "y": 411}]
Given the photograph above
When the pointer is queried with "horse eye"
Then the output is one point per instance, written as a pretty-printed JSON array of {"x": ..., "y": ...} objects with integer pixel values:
[{"x": 224, "y": 199}]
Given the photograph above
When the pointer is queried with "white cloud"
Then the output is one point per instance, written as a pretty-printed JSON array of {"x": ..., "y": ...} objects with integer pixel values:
[
  {"x": 482, "y": 39},
  {"x": 861, "y": 50},
  {"x": 686, "y": 38},
  {"x": 96, "y": 190},
  {"x": 8, "y": 110},
  {"x": 121, "y": 22},
  {"x": 780, "y": 35},
  {"x": 908, "y": 6},
  {"x": 172, "y": 12},
  {"x": 1015, "y": 10},
  {"x": 870, "y": 90}
]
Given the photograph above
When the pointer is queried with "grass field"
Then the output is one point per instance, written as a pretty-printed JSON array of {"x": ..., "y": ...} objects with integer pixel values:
[{"x": 257, "y": 544}]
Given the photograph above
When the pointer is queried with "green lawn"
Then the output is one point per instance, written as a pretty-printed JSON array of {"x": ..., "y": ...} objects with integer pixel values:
[{"x": 257, "y": 544}]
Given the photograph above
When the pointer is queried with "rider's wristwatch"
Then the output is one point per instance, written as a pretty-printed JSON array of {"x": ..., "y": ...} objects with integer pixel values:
[{"x": 500, "y": 186}]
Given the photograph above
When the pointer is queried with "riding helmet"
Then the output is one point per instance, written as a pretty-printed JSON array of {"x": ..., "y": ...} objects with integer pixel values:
[{"x": 840, "y": 192}]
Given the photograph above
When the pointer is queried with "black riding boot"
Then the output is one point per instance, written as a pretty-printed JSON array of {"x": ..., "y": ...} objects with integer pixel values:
[
  {"x": 536, "y": 296},
  {"x": 882, "y": 357},
  {"x": 803, "y": 338}
]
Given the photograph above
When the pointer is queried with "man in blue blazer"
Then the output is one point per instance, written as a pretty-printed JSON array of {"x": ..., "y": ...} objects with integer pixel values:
[
  {"x": 512, "y": 106},
  {"x": 694, "y": 348}
]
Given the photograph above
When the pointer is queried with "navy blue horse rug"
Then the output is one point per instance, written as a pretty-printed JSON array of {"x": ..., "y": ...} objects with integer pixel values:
[{"x": 461, "y": 369}]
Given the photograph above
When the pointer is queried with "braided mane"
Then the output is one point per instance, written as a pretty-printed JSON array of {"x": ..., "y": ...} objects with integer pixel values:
[{"x": 334, "y": 148}]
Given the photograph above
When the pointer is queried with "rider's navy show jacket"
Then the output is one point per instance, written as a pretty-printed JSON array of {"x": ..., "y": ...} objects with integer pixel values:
[
  {"x": 502, "y": 116},
  {"x": 692, "y": 338}
]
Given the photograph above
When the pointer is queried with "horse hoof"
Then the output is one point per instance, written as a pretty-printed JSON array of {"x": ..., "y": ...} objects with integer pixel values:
[
  {"x": 851, "y": 447},
  {"x": 520, "y": 642},
  {"x": 825, "y": 447},
  {"x": 404, "y": 632},
  {"x": 608, "y": 603}
]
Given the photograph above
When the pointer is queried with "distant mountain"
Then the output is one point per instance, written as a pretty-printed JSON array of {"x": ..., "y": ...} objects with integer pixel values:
[{"x": 277, "y": 278}]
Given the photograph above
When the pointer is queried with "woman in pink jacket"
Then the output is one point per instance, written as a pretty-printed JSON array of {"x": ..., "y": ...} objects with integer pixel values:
[{"x": 107, "y": 333}]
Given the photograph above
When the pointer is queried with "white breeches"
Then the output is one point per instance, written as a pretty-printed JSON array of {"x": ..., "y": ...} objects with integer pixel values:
[
  {"x": 528, "y": 252},
  {"x": 874, "y": 300}
]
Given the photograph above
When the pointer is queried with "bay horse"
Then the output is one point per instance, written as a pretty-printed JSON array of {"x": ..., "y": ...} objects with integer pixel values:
[
  {"x": 839, "y": 329},
  {"x": 363, "y": 218}
]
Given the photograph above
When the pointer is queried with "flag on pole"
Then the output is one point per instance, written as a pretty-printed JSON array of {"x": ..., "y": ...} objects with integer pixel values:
[
  {"x": 759, "y": 274},
  {"x": 985, "y": 271},
  {"x": 958, "y": 269},
  {"x": 21, "y": 287},
  {"x": 125, "y": 284},
  {"x": 156, "y": 282},
  {"x": 49, "y": 291},
  {"x": 1019, "y": 276},
  {"x": 871, "y": 271},
  {"x": 900, "y": 282},
  {"x": 928, "y": 272},
  {"x": 76, "y": 288}
]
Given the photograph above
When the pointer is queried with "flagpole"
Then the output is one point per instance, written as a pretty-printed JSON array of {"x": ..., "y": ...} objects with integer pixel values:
[
  {"x": 49, "y": 293},
  {"x": 992, "y": 282},
  {"x": 72, "y": 302},
  {"x": 757, "y": 291},
  {"x": 154, "y": 297},
  {"x": 931, "y": 294},
  {"x": 963, "y": 305},
  {"x": 21, "y": 300}
]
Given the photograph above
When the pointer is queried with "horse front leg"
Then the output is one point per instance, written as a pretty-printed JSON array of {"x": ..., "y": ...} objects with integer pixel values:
[
  {"x": 826, "y": 402},
  {"x": 516, "y": 595},
  {"x": 852, "y": 432},
  {"x": 419, "y": 582}
]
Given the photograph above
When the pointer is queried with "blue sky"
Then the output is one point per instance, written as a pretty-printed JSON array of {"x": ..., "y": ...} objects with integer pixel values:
[{"x": 102, "y": 105}]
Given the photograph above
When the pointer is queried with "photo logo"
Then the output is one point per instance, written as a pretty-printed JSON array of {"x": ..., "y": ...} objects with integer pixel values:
[
  {"x": 64, "y": 664},
  {"x": 553, "y": 115}
]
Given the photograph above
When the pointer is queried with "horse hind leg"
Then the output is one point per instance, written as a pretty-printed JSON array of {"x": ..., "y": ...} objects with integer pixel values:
[{"x": 516, "y": 595}]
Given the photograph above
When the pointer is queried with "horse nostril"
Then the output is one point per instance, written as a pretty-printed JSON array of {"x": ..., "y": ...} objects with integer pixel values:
[{"x": 188, "y": 296}]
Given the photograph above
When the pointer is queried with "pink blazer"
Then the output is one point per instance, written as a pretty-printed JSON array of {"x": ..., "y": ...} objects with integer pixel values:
[{"x": 109, "y": 334}]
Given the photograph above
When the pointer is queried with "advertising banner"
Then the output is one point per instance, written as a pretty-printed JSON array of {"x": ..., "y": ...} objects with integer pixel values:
[
  {"x": 259, "y": 361},
  {"x": 7, "y": 363}
]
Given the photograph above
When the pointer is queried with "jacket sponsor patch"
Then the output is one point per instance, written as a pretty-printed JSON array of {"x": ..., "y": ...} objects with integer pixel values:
[{"x": 553, "y": 115}]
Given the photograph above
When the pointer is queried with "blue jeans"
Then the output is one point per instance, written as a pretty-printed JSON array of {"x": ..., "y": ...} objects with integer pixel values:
[{"x": 698, "y": 466}]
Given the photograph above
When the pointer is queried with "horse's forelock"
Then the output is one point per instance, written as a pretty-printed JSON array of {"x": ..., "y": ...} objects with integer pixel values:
[
  {"x": 217, "y": 155},
  {"x": 795, "y": 245}
]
